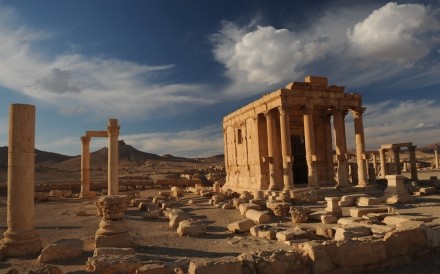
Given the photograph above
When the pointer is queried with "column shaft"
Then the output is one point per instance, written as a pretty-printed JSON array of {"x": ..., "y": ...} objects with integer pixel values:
[
  {"x": 286, "y": 150},
  {"x": 436, "y": 158},
  {"x": 413, "y": 162},
  {"x": 270, "y": 137},
  {"x": 360, "y": 146},
  {"x": 85, "y": 165},
  {"x": 396, "y": 153},
  {"x": 383, "y": 165},
  {"x": 309, "y": 136},
  {"x": 21, "y": 238},
  {"x": 341, "y": 147},
  {"x": 113, "y": 164}
]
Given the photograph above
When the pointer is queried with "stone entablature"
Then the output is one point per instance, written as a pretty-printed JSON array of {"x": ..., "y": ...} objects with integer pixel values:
[{"x": 272, "y": 141}]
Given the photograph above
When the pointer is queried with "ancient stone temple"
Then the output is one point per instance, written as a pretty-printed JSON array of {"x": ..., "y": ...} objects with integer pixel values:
[{"x": 285, "y": 138}]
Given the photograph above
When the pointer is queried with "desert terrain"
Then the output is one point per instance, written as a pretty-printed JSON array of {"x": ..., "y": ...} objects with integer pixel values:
[{"x": 153, "y": 239}]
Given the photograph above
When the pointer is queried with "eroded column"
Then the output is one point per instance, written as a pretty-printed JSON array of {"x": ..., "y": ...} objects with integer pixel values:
[
  {"x": 341, "y": 147},
  {"x": 286, "y": 149},
  {"x": 270, "y": 129},
  {"x": 21, "y": 238},
  {"x": 383, "y": 163},
  {"x": 413, "y": 162},
  {"x": 85, "y": 169},
  {"x": 113, "y": 165},
  {"x": 309, "y": 136},
  {"x": 360, "y": 146},
  {"x": 436, "y": 157}
]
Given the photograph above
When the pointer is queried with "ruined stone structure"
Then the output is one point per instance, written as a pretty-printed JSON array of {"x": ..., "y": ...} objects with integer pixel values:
[
  {"x": 21, "y": 238},
  {"x": 396, "y": 153},
  {"x": 112, "y": 133},
  {"x": 285, "y": 138}
]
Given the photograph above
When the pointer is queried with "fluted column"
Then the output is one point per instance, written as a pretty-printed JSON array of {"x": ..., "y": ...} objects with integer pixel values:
[
  {"x": 383, "y": 171},
  {"x": 341, "y": 147},
  {"x": 413, "y": 162},
  {"x": 113, "y": 164},
  {"x": 286, "y": 149},
  {"x": 396, "y": 153},
  {"x": 270, "y": 156},
  {"x": 309, "y": 136},
  {"x": 360, "y": 146},
  {"x": 21, "y": 238}
]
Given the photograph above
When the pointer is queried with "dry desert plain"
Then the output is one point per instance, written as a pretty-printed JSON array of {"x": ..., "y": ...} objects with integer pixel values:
[{"x": 154, "y": 240}]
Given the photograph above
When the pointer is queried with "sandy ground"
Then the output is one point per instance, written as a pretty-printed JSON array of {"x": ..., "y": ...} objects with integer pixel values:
[{"x": 155, "y": 241}]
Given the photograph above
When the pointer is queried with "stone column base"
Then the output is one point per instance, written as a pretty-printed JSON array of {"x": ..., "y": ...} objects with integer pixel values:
[
  {"x": 112, "y": 233},
  {"x": 17, "y": 244}
]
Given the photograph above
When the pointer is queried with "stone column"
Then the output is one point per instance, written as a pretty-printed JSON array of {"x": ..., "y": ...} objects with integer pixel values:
[
  {"x": 413, "y": 162},
  {"x": 309, "y": 136},
  {"x": 375, "y": 163},
  {"x": 21, "y": 238},
  {"x": 383, "y": 163},
  {"x": 360, "y": 146},
  {"x": 396, "y": 153},
  {"x": 113, "y": 231},
  {"x": 341, "y": 147},
  {"x": 270, "y": 156},
  {"x": 436, "y": 157},
  {"x": 113, "y": 164},
  {"x": 286, "y": 149},
  {"x": 85, "y": 169}
]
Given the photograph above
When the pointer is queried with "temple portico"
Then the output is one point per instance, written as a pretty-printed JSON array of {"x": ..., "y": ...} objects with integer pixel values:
[
  {"x": 396, "y": 149},
  {"x": 285, "y": 138}
]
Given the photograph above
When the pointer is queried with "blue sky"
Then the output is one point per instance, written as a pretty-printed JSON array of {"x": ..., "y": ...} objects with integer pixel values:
[{"x": 169, "y": 70}]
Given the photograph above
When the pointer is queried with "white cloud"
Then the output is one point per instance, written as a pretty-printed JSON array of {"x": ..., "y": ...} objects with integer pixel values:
[
  {"x": 72, "y": 82},
  {"x": 393, "y": 33}
]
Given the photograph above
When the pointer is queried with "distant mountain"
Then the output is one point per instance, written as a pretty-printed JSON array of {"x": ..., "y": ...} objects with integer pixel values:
[
  {"x": 40, "y": 157},
  {"x": 429, "y": 148}
]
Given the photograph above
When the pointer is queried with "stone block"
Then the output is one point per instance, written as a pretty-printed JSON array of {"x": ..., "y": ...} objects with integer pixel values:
[
  {"x": 349, "y": 200},
  {"x": 217, "y": 198},
  {"x": 227, "y": 206},
  {"x": 350, "y": 221},
  {"x": 113, "y": 264},
  {"x": 307, "y": 195},
  {"x": 359, "y": 254},
  {"x": 280, "y": 209},
  {"x": 191, "y": 228},
  {"x": 106, "y": 251},
  {"x": 328, "y": 219},
  {"x": 381, "y": 229},
  {"x": 154, "y": 268},
  {"x": 265, "y": 231},
  {"x": 319, "y": 255},
  {"x": 361, "y": 211},
  {"x": 42, "y": 269},
  {"x": 397, "y": 219},
  {"x": 151, "y": 215},
  {"x": 298, "y": 215},
  {"x": 175, "y": 219},
  {"x": 63, "y": 249},
  {"x": 325, "y": 231},
  {"x": 368, "y": 201},
  {"x": 172, "y": 211},
  {"x": 316, "y": 216},
  {"x": 404, "y": 242},
  {"x": 260, "y": 217},
  {"x": 428, "y": 190},
  {"x": 432, "y": 235},
  {"x": 285, "y": 235},
  {"x": 395, "y": 191},
  {"x": 349, "y": 232},
  {"x": 165, "y": 193},
  {"x": 246, "y": 206},
  {"x": 230, "y": 265},
  {"x": 241, "y": 226}
]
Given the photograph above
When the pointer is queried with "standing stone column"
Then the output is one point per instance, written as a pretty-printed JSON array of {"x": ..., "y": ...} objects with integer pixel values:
[
  {"x": 360, "y": 146},
  {"x": 286, "y": 149},
  {"x": 413, "y": 162},
  {"x": 341, "y": 147},
  {"x": 436, "y": 158},
  {"x": 85, "y": 169},
  {"x": 21, "y": 238},
  {"x": 375, "y": 162},
  {"x": 396, "y": 153},
  {"x": 270, "y": 137},
  {"x": 113, "y": 164},
  {"x": 309, "y": 136},
  {"x": 383, "y": 163}
]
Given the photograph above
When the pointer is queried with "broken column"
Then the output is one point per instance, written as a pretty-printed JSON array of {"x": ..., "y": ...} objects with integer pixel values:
[
  {"x": 113, "y": 165},
  {"x": 85, "y": 169},
  {"x": 21, "y": 238},
  {"x": 436, "y": 158},
  {"x": 396, "y": 192},
  {"x": 113, "y": 231}
]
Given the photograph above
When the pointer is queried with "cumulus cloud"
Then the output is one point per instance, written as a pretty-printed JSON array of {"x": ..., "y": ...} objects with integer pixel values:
[
  {"x": 394, "y": 33},
  {"x": 354, "y": 46}
]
